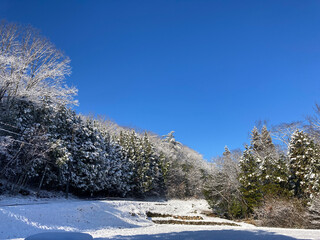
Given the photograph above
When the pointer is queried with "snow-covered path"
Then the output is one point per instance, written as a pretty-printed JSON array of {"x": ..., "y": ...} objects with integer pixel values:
[{"x": 126, "y": 220}]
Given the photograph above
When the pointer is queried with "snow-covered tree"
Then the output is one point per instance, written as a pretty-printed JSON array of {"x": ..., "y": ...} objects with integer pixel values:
[
  {"x": 187, "y": 171},
  {"x": 32, "y": 68},
  {"x": 147, "y": 163},
  {"x": 304, "y": 165},
  {"x": 271, "y": 169},
  {"x": 222, "y": 187},
  {"x": 256, "y": 143},
  {"x": 117, "y": 170},
  {"x": 71, "y": 152},
  {"x": 250, "y": 180}
]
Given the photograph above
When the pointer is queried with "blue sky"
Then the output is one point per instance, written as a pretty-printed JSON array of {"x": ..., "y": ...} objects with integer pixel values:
[{"x": 206, "y": 69}]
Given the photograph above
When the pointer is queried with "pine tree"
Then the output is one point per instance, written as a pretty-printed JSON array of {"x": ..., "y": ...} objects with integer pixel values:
[
  {"x": 266, "y": 139},
  {"x": 251, "y": 187},
  {"x": 147, "y": 163},
  {"x": 117, "y": 169},
  {"x": 313, "y": 176},
  {"x": 256, "y": 143},
  {"x": 273, "y": 169},
  {"x": 304, "y": 165}
]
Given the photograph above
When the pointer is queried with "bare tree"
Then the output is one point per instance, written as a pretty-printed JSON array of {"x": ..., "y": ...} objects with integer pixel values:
[
  {"x": 31, "y": 67},
  {"x": 284, "y": 131},
  {"x": 223, "y": 188},
  {"x": 313, "y": 126}
]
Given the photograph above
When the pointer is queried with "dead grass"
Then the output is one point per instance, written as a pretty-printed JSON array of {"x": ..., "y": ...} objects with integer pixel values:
[
  {"x": 193, "y": 222},
  {"x": 188, "y": 217},
  {"x": 160, "y": 215},
  {"x": 208, "y": 214}
]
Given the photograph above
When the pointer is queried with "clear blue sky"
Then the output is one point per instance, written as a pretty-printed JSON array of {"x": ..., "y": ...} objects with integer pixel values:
[{"x": 205, "y": 69}]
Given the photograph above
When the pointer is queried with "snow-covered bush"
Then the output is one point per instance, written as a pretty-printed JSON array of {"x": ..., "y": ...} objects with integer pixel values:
[
  {"x": 282, "y": 212},
  {"x": 314, "y": 212}
]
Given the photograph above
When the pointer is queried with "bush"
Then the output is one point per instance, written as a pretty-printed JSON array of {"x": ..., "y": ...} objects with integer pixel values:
[
  {"x": 282, "y": 212},
  {"x": 314, "y": 212}
]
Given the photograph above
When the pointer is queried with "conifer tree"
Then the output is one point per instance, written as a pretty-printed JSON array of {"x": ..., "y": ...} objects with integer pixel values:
[
  {"x": 266, "y": 139},
  {"x": 273, "y": 169},
  {"x": 249, "y": 180},
  {"x": 304, "y": 165},
  {"x": 147, "y": 163},
  {"x": 256, "y": 143}
]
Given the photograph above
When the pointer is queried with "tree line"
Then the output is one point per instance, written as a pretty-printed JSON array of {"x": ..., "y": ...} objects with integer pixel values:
[
  {"x": 276, "y": 184},
  {"x": 45, "y": 144}
]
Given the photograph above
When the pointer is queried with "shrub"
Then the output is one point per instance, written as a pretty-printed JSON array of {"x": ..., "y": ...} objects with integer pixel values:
[
  {"x": 282, "y": 212},
  {"x": 314, "y": 212}
]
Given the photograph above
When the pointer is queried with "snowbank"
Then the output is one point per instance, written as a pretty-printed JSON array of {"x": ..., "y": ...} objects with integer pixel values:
[{"x": 119, "y": 219}]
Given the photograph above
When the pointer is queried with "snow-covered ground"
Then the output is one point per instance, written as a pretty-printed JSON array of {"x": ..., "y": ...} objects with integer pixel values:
[{"x": 119, "y": 219}]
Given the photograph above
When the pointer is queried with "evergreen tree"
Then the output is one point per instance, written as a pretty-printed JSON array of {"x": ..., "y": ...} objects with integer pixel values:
[
  {"x": 251, "y": 187},
  {"x": 273, "y": 169},
  {"x": 266, "y": 140},
  {"x": 147, "y": 163},
  {"x": 117, "y": 169},
  {"x": 256, "y": 143},
  {"x": 270, "y": 166},
  {"x": 304, "y": 165}
]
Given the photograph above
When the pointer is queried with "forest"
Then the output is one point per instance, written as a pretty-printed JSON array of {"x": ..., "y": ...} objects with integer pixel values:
[{"x": 46, "y": 145}]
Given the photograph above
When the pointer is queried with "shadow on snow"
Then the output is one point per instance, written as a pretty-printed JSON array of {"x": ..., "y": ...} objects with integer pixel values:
[
  {"x": 207, "y": 234},
  {"x": 20, "y": 221}
]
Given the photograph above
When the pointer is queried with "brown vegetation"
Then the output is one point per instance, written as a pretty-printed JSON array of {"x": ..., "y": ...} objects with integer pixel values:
[
  {"x": 160, "y": 215},
  {"x": 281, "y": 212},
  {"x": 193, "y": 222}
]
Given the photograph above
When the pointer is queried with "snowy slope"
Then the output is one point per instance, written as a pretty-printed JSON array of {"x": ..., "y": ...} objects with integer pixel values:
[{"x": 119, "y": 219}]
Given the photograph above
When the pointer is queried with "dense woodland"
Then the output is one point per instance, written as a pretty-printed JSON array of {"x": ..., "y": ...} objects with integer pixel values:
[{"x": 46, "y": 145}]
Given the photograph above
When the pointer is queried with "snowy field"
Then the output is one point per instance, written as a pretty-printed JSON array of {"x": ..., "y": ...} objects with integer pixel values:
[{"x": 120, "y": 220}]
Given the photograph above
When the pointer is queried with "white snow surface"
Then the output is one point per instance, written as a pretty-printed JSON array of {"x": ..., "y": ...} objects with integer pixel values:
[{"x": 125, "y": 219}]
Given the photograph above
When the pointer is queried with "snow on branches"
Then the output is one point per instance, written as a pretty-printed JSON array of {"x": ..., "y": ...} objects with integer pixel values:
[{"x": 32, "y": 68}]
